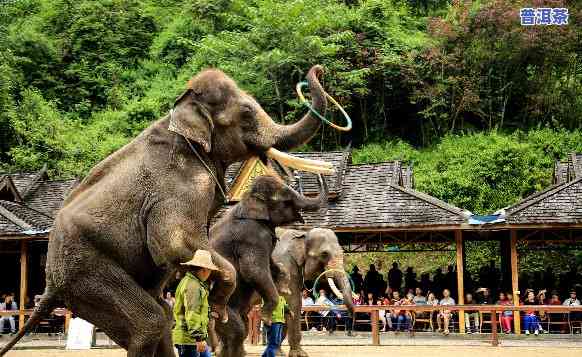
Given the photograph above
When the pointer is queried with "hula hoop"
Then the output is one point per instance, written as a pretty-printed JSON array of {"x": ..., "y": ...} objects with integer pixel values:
[
  {"x": 304, "y": 101},
  {"x": 314, "y": 288}
]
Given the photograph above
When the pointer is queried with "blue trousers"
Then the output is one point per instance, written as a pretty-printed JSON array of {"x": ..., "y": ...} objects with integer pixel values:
[
  {"x": 531, "y": 322},
  {"x": 190, "y": 351},
  {"x": 401, "y": 322},
  {"x": 275, "y": 336}
]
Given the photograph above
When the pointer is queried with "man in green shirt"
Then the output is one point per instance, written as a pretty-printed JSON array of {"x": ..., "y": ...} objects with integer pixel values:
[
  {"x": 275, "y": 331},
  {"x": 191, "y": 307}
]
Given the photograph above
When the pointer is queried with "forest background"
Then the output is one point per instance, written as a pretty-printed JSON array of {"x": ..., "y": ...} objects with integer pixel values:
[{"x": 478, "y": 104}]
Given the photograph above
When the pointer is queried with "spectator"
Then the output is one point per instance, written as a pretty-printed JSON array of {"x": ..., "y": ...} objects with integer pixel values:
[
  {"x": 573, "y": 301},
  {"x": 410, "y": 279},
  {"x": 382, "y": 315},
  {"x": 395, "y": 277},
  {"x": 370, "y": 299},
  {"x": 471, "y": 315},
  {"x": 425, "y": 283},
  {"x": 8, "y": 305},
  {"x": 445, "y": 315},
  {"x": 431, "y": 299},
  {"x": 275, "y": 333},
  {"x": 506, "y": 315},
  {"x": 341, "y": 315},
  {"x": 438, "y": 281},
  {"x": 484, "y": 297},
  {"x": 306, "y": 299},
  {"x": 328, "y": 320},
  {"x": 530, "y": 319},
  {"x": 170, "y": 300},
  {"x": 372, "y": 281},
  {"x": 419, "y": 299},
  {"x": 398, "y": 316},
  {"x": 357, "y": 278},
  {"x": 451, "y": 280}
]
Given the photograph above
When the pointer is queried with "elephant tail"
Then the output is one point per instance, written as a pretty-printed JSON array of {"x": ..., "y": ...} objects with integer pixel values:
[{"x": 47, "y": 304}]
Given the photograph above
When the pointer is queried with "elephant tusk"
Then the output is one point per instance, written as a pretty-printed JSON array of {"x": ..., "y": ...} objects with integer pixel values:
[
  {"x": 315, "y": 166},
  {"x": 334, "y": 288}
]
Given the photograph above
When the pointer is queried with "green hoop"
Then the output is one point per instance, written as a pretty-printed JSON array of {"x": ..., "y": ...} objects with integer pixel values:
[
  {"x": 314, "y": 288},
  {"x": 304, "y": 101}
]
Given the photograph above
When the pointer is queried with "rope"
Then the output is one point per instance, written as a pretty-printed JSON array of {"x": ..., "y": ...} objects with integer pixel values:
[
  {"x": 304, "y": 101},
  {"x": 216, "y": 181}
]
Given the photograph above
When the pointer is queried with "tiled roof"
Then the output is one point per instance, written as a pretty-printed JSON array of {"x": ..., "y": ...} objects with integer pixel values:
[
  {"x": 560, "y": 203},
  {"x": 41, "y": 199},
  {"x": 372, "y": 198}
]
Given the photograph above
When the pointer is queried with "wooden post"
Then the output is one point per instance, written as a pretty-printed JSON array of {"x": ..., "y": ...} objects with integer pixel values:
[
  {"x": 68, "y": 317},
  {"x": 23, "y": 281},
  {"x": 494, "y": 336},
  {"x": 460, "y": 281},
  {"x": 514, "y": 280},
  {"x": 375, "y": 330}
]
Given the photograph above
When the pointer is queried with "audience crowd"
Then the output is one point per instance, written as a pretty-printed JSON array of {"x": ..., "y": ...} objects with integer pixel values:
[{"x": 395, "y": 290}]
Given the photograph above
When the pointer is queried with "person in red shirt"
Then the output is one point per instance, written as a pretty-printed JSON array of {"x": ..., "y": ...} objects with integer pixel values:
[{"x": 506, "y": 317}]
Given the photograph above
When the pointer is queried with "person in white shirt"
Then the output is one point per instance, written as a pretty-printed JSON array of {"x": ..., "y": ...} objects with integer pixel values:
[
  {"x": 444, "y": 315},
  {"x": 573, "y": 301},
  {"x": 8, "y": 305},
  {"x": 328, "y": 320},
  {"x": 306, "y": 300}
]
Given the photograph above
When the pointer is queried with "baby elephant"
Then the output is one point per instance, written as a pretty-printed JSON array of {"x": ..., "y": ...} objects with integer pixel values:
[{"x": 245, "y": 236}]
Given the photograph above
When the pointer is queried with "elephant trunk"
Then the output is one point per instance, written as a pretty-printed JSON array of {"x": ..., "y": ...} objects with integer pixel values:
[
  {"x": 313, "y": 203},
  {"x": 286, "y": 137}
]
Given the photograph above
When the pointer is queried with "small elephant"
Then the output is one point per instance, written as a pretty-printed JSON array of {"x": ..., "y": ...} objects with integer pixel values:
[
  {"x": 140, "y": 212},
  {"x": 304, "y": 256},
  {"x": 245, "y": 236}
]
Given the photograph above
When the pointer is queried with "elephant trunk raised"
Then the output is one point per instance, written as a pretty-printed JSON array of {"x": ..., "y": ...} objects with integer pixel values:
[
  {"x": 286, "y": 137},
  {"x": 312, "y": 203}
]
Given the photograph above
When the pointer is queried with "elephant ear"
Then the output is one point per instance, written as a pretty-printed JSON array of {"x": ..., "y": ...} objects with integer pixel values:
[
  {"x": 252, "y": 208},
  {"x": 191, "y": 120}
]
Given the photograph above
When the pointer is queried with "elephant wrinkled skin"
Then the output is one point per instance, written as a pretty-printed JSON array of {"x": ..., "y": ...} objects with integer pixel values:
[
  {"x": 144, "y": 209},
  {"x": 304, "y": 256},
  {"x": 245, "y": 236}
]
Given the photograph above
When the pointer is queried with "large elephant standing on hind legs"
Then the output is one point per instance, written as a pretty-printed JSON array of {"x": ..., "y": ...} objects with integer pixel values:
[{"x": 139, "y": 213}]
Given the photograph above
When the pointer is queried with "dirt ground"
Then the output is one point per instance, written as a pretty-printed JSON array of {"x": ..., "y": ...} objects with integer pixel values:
[{"x": 367, "y": 351}]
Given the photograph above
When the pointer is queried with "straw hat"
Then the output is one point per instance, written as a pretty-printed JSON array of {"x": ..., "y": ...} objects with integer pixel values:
[{"x": 202, "y": 259}]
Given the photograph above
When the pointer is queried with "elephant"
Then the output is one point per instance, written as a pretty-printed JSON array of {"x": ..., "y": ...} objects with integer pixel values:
[
  {"x": 303, "y": 256},
  {"x": 124, "y": 230},
  {"x": 245, "y": 236}
]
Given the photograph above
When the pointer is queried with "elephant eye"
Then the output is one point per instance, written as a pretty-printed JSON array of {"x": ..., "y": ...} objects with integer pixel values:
[{"x": 325, "y": 255}]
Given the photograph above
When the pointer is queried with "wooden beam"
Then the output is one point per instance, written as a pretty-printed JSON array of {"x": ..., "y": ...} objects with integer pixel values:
[
  {"x": 515, "y": 280},
  {"x": 23, "y": 281},
  {"x": 460, "y": 282}
]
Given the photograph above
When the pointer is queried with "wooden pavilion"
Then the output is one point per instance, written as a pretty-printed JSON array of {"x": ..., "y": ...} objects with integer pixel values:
[{"x": 370, "y": 207}]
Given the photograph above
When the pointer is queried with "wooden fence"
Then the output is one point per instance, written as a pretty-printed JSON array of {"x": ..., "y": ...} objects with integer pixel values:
[{"x": 373, "y": 310}]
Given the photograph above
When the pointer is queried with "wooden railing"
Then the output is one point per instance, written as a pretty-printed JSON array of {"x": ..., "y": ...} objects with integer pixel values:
[
  {"x": 373, "y": 310},
  {"x": 29, "y": 312}
]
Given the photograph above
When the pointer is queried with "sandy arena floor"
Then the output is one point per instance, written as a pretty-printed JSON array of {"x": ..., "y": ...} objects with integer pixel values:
[{"x": 367, "y": 351}]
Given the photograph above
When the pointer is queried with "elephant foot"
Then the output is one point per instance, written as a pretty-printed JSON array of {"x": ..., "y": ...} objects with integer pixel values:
[
  {"x": 297, "y": 352},
  {"x": 218, "y": 312}
]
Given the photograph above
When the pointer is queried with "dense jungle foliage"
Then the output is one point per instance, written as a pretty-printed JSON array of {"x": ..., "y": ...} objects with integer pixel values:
[{"x": 480, "y": 105}]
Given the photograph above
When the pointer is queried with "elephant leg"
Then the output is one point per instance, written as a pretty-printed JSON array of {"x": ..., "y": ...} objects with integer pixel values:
[
  {"x": 110, "y": 299},
  {"x": 294, "y": 325},
  {"x": 232, "y": 335},
  {"x": 258, "y": 275},
  {"x": 165, "y": 346},
  {"x": 225, "y": 283}
]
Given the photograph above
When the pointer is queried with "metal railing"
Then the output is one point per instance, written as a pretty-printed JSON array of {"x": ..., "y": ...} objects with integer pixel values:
[{"x": 373, "y": 310}]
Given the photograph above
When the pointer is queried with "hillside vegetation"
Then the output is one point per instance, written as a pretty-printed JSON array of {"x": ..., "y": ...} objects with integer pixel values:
[{"x": 479, "y": 104}]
